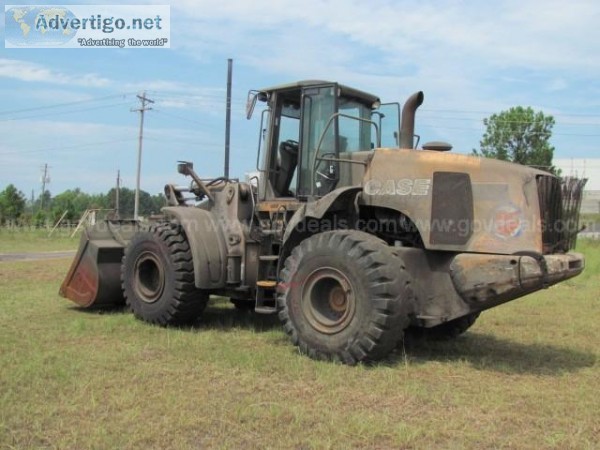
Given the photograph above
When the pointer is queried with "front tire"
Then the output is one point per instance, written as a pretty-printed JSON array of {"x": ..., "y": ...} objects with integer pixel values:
[
  {"x": 344, "y": 296},
  {"x": 157, "y": 277}
]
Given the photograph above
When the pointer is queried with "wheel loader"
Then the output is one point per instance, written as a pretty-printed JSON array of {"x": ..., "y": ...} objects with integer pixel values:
[{"x": 347, "y": 231}]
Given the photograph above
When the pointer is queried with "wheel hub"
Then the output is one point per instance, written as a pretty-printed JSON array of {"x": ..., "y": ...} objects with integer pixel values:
[
  {"x": 328, "y": 301},
  {"x": 338, "y": 300},
  {"x": 149, "y": 280}
]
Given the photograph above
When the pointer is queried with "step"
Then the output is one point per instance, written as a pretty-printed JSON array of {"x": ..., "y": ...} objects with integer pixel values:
[
  {"x": 266, "y": 284},
  {"x": 268, "y": 257},
  {"x": 271, "y": 232},
  {"x": 265, "y": 310}
]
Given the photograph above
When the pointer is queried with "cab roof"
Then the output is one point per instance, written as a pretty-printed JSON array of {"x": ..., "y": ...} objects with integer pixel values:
[{"x": 346, "y": 90}]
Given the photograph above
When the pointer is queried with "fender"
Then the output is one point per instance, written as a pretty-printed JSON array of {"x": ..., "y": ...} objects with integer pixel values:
[
  {"x": 207, "y": 243},
  {"x": 337, "y": 200}
]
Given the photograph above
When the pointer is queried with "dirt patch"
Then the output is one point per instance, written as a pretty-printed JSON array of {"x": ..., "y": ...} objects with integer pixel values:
[{"x": 11, "y": 257}]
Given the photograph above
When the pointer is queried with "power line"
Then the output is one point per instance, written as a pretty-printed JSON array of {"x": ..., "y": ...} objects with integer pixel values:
[
  {"x": 185, "y": 119},
  {"x": 217, "y": 97},
  {"x": 528, "y": 122},
  {"x": 466, "y": 111},
  {"x": 437, "y": 127},
  {"x": 59, "y": 105},
  {"x": 185, "y": 142},
  {"x": 62, "y": 149},
  {"x": 51, "y": 149},
  {"x": 191, "y": 100},
  {"x": 59, "y": 113},
  {"x": 239, "y": 99}
]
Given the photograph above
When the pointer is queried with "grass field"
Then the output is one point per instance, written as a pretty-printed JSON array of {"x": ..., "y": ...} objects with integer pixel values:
[
  {"x": 36, "y": 240},
  {"x": 526, "y": 376}
]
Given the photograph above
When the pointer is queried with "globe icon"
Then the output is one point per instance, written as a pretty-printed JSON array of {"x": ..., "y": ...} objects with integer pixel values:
[{"x": 39, "y": 26}]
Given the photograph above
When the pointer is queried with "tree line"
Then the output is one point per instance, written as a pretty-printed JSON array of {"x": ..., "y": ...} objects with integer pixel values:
[
  {"x": 15, "y": 208},
  {"x": 519, "y": 135}
]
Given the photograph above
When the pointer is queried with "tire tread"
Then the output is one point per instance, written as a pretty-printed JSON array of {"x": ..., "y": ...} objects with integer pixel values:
[{"x": 186, "y": 302}]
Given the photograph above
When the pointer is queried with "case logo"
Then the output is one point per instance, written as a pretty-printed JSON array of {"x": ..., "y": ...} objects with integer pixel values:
[{"x": 404, "y": 186}]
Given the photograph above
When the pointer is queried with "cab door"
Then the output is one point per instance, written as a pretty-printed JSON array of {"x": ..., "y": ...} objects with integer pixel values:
[{"x": 319, "y": 126}]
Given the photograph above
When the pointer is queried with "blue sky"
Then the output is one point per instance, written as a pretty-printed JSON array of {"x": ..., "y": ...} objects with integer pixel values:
[{"x": 470, "y": 58}]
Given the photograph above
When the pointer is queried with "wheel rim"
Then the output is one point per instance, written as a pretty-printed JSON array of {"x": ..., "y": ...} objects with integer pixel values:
[
  {"x": 149, "y": 277},
  {"x": 328, "y": 300}
]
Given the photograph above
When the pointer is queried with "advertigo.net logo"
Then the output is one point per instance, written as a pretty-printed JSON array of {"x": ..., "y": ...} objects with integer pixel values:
[{"x": 87, "y": 26}]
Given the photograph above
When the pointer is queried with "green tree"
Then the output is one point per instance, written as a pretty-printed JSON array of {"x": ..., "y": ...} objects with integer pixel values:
[
  {"x": 39, "y": 219},
  {"x": 520, "y": 135},
  {"x": 74, "y": 202},
  {"x": 158, "y": 202},
  {"x": 12, "y": 204},
  {"x": 149, "y": 204},
  {"x": 44, "y": 199}
]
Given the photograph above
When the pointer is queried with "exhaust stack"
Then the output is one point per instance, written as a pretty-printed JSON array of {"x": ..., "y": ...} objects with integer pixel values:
[{"x": 407, "y": 129}]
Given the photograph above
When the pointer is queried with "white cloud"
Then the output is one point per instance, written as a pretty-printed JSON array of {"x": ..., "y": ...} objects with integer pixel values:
[
  {"x": 50, "y": 95},
  {"x": 533, "y": 34},
  {"x": 32, "y": 72},
  {"x": 466, "y": 56},
  {"x": 29, "y": 71},
  {"x": 456, "y": 51}
]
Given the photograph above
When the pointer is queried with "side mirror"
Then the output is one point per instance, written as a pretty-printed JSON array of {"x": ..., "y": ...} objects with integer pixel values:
[
  {"x": 251, "y": 103},
  {"x": 185, "y": 167},
  {"x": 253, "y": 97}
]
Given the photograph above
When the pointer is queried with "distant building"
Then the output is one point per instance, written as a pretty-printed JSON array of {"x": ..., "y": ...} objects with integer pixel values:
[
  {"x": 591, "y": 202},
  {"x": 582, "y": 168}
]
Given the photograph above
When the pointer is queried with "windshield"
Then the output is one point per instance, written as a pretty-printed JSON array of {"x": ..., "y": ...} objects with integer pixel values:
[
  {"x": 355, "y": 135},
  {"x": 333, "y": 129}
]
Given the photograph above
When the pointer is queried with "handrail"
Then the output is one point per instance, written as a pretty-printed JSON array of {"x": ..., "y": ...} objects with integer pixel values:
[
  {"x": 317, "y": 158},
  {"x": 260, "y": 137}
]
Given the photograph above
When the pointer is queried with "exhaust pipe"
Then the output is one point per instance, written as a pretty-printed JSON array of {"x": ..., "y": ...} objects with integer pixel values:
[{"x": 407, "y": 129}]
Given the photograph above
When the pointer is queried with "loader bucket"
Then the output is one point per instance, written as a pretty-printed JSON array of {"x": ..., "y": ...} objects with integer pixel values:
[{"x": 94, "y": 278}]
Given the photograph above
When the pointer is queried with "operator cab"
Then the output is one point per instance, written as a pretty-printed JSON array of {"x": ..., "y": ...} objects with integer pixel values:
[{"x": 316, "y": 136}]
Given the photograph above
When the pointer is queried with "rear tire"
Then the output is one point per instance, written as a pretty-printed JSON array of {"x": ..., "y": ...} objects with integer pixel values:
[
  {"x": 157, "y": 277},
  {"x": 344, "y": 296}
]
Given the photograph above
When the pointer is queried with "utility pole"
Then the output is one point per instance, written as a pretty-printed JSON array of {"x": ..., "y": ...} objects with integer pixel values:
[
  {"x": 228, "y": 117},
  {"x": 142, "y": 109},
  {"x": 118, "y": 188},
  {"x": 45, "y": 179}
]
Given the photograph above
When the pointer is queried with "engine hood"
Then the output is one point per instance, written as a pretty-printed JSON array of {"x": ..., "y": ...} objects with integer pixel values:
[{"x": 458, "y": 202}]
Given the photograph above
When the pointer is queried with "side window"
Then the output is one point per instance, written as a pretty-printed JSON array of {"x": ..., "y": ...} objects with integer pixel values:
[
  {"x": 387, "y": 118},
  {"x": 289, "y": 129},
  {"x": 285, "y": 148}
]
